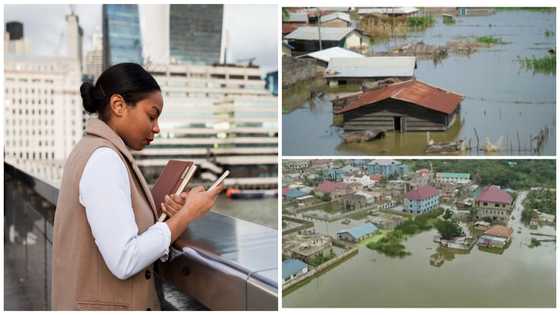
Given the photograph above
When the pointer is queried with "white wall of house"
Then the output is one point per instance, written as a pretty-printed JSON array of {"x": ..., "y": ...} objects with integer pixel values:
[{"x": 353, "y": 40}]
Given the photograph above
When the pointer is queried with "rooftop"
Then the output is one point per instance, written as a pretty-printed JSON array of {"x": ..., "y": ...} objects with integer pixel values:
[
  {"x": 292, "y": 266},
  {"x": 288, "y": 28},
  {"x": 454, "y": 175},
  {"x": 333, "y": 52},
  {"x": 329, "y": 187},
  {"x": 494, "y": 194},
  {"x": 336, "y": 15},
  {"x": 499, "y": 231},
  {"x": 360, "y": 230},
  {"x": 327, "y": 33},
  {"x": 389, "y": 11},
  {"x": 296, "y": 17},
  {"x": 384, "y": 162},
  {"x": 422, "y": 193},
  {"x": 411, "y": 91},
  {"x": 372, "y": 67}
]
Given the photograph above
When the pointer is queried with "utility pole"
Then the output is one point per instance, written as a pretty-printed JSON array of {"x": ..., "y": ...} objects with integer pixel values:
[{"x": 319, "y": 28}]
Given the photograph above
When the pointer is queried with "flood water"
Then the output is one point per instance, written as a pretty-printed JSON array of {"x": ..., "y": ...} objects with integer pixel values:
[
  {"x": 502, "y": 99},
  {"x": 520, "y": 277}
]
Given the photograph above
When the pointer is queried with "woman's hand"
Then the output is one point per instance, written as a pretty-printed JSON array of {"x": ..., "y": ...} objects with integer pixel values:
[
  {"x": 197, "y": 203},
  {"x": 200, "y": 201},
  {"x": 173, "y": 203}
]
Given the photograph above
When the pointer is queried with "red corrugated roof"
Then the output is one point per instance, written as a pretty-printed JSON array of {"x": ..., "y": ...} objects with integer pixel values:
[
  {"x": 329, "y": 187},
  {"x": 421, "y": 193},
  {"x": 499, "y": 231},
  {"x": 494, "y": 194},
  {"x": 289, "y": 27},
  {"x": 412, "y": 91}
]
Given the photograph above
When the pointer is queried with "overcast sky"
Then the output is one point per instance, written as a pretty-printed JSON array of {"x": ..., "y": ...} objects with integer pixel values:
[{"x": 253, "y": 30}]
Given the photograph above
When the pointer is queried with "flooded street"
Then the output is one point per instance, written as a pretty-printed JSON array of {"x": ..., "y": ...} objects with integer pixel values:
[
  {"x": 506, "y": 103},
  {"x": 520, "y": 277}
]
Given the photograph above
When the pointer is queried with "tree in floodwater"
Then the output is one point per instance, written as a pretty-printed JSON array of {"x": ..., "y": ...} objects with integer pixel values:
[{"x": 448, "y": 229}]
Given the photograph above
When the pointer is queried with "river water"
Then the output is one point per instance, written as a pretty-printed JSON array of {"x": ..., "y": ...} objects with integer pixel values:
[
  {"x": 520, "y": 277},
  {"x": 502, "y": 100}
]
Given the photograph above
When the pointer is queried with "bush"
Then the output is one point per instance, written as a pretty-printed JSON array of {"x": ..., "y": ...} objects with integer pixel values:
[
  {"x": 448, "y": 229},
  {"x": 420, "y": 21}
]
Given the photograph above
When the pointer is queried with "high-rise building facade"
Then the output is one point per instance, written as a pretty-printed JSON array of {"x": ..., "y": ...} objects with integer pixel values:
[
  {"x": 75, "y": 35},
  {"x": 93, "y": 64},
  {"x": 195, "y": 32},
  {"x": 122, "y": 41},
  {"x": 43, "y": 111},
  {"x": 219, "y": 117}
]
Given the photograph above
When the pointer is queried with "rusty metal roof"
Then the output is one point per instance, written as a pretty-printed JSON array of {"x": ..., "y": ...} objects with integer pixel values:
[{"x": 411, "y": 91}]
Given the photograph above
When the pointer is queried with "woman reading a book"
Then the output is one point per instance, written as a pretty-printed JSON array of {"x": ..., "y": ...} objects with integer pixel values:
[{"x": 106, "y": 237}]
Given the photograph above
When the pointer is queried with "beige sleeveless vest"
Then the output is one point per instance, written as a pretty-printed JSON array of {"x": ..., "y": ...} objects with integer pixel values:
[{"x": 80, "y": 278}]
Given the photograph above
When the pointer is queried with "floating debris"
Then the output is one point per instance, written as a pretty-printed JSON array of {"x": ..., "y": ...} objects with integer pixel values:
[{"x": 363, "y": 136}]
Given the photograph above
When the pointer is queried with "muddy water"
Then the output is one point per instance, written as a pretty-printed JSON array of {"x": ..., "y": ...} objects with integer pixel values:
[
  {"x": 519, "y": 277},
  {"x": 503, "y": 102}
]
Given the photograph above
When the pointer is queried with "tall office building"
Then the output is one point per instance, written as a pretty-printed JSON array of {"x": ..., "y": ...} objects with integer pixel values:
[
  {"x": 195, "y": 33},
  {"x": 75, "y": 35},
  {"x": 93, "y": 65},
  {"x": 122, "y": 41}
]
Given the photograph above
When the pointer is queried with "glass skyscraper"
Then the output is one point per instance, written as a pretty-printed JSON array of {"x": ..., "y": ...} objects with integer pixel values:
[
  {"x": 195, "y": 32},
  {"x": 122, "y": 41}
]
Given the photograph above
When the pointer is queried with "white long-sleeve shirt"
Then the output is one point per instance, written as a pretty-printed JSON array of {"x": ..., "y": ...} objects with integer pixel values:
[{"x": 105, "y": 194}]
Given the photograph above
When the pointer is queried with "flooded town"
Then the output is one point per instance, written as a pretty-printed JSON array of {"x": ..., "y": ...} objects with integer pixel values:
[
  {"x": 418, "y": 233},
  {"x": 415, "y": 81}
]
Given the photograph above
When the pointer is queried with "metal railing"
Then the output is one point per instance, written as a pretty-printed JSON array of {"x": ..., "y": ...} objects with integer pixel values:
[{"x": 220, "y": 263}]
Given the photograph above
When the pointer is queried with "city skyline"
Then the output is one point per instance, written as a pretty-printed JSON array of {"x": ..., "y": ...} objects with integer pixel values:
[{"x": 44, "y": 27}]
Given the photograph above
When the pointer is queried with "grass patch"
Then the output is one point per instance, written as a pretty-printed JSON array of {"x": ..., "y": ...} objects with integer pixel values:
[
  {"x": 375, "y": 238},
  {"x": 390, "y": 245},
  {"x": 329, "y": 208},
  {"x": 316, "y": 261},
  {"x": 448, "y": 20},
  {"x": 545, "y": 64},
  {"x": 489, "y": 40},
  {"x": 420, "y": 21}
]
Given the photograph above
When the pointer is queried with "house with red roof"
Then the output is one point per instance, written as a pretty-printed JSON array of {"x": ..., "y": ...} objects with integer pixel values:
[
  {"x": 493, "y": 203},
  {"x": 421, "y": 200},
  {"x": 410, "y": 105},
  {"x": 496, "y": 236},
  {"x": 334, "y": 190}
]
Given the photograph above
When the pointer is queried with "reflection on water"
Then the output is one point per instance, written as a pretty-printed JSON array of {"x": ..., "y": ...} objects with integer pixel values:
[{"x": 502, "y": 100}]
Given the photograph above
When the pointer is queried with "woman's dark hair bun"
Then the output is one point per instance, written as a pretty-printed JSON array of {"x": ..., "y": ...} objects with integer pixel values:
[{"x": 87, "y": 91}]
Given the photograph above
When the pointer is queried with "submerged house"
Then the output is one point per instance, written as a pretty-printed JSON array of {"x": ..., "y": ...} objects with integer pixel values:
[
  {"x": 357, "y": 233},
  {"x": 497, "y": 236},
  {"x": 305, "y": 39},
  {"x": 359, "y": 70},
  {"x": 405, "y": 106}
]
